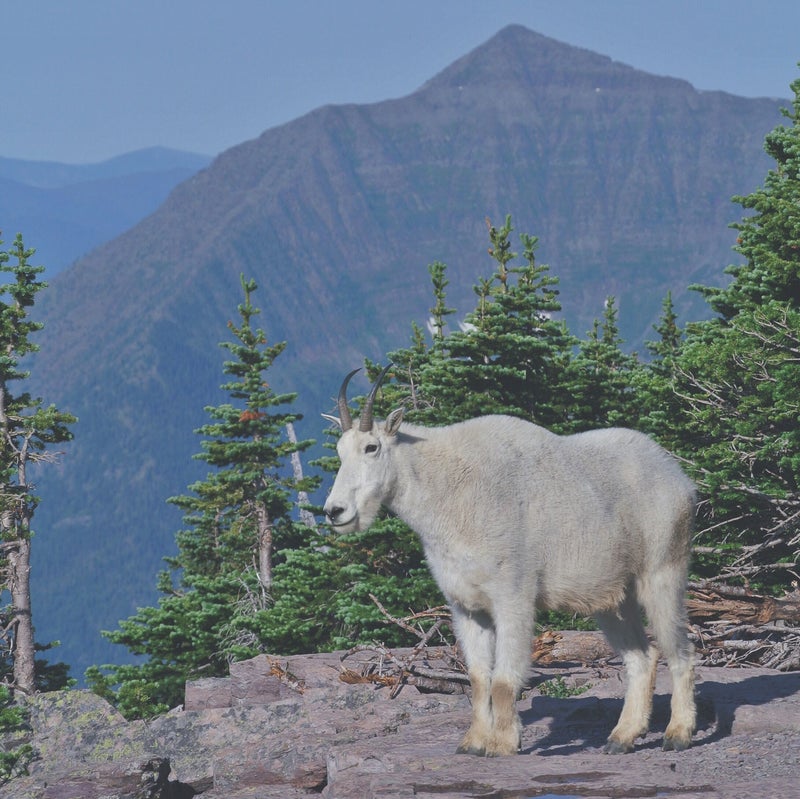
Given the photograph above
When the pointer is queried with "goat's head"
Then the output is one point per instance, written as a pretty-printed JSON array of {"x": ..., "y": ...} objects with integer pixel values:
[{"x": 366, "y": 476}]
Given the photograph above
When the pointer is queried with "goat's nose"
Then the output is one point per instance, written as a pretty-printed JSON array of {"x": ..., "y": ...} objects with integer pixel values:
[{"x": 333, "y": 512}]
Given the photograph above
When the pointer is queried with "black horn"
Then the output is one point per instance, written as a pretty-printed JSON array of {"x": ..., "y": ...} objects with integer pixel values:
[
  {"x": 345, "y": 420},
  {"x": 365, "y": 424}
]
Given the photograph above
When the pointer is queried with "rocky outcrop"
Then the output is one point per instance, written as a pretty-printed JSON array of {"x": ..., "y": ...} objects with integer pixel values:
[{"x": 290, "y": 728}]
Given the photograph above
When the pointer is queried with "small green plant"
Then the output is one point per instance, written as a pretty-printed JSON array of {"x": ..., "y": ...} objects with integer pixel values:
[
  {"x": 557, "y": 688},
  {"x": 13, "y": 762}
]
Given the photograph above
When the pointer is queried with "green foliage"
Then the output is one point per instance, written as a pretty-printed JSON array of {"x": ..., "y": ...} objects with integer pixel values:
[
  {"x": 508, "y": 356},
  {"x": 601, "y": 389},
  {"x": 14, "y": 760},
  {"x": 325, "y": 602},
  {"x": 234, "y": 521},
  {"x": 557, "y": 688},
  {"x": 28, "y": 428},
  {"x": 737, "y": 377},
  {"x": 27, "y": 432}
]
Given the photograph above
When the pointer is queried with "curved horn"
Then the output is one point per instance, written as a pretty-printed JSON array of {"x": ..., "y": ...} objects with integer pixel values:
[
  {"x": 345, "y": 420},
  {"x": 365, "y": 424}
]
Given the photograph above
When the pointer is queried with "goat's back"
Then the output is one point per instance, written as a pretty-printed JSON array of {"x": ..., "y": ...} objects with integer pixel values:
[{"x": 588, "y": 513}]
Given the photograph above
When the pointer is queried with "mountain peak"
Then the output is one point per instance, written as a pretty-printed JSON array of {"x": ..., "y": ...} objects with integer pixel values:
[{"x": 518, "y": 54}]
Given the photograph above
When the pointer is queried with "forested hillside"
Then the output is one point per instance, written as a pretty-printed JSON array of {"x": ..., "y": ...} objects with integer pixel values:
[{"x": 625, "y": 177}]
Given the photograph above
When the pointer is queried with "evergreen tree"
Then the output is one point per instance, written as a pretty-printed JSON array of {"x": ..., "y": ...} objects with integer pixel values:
[
  {"x": 28, "y": 430},
  {"x": 324, "y": 600},
  {"x": 738, "y": 376},
  {"x": 510, "y": 355},
  {"x": 603, "y": 376},
  {"x": 236, "y": 519},
  {"x": 14, "y": 759},
  {"x": 659, "y": 405},
  {"x": 248, "y": 445}
]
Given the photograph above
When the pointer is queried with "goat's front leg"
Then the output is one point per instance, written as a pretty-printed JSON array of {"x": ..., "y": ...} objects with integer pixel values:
[
  {"x": 476, "y": 635},
  {"x": 512, "y": 661}
]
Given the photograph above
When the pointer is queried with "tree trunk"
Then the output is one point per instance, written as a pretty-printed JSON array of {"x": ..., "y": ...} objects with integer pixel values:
[
  {"x": 19, "y": 562},
  {"x": 709, "y": 601},
  {"x": 297, "y": 467},
  {"x": 264, "y": 532}
]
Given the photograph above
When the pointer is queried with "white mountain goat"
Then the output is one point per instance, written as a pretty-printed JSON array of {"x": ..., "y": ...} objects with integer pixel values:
[{"x": 514, "y": 518}]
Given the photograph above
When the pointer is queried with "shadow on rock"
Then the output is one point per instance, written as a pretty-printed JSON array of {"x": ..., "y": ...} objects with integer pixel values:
[{"x": 562, "y": 726}]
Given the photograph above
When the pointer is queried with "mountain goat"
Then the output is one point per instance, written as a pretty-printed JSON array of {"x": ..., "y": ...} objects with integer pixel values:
[{"x": 514, "y": 518}]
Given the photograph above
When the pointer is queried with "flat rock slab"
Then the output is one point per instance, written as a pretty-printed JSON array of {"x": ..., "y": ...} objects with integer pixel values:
[
  {"x": 290, "y": 728},
  {"x": 748, "y": 744}
]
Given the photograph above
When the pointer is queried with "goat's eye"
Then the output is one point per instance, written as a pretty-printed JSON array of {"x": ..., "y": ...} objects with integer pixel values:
[{"x": 370, "y": 449}]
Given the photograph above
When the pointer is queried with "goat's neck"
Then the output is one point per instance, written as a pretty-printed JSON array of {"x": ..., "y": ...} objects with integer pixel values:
[{"x": 424, "y": 462}]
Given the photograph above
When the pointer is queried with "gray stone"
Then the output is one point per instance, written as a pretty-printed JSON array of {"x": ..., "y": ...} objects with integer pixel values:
[{"x": 288, "y": 728}]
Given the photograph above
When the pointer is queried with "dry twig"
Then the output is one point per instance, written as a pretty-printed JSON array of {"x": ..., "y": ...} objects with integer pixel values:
[{"x": 385, "y": 668}]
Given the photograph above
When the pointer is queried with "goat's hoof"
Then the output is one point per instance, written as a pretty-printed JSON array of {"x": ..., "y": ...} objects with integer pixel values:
[
  {"x": 674, "y": 743},
  {"x": 613, "y": 747},
  {"x": 479, "y": 751},
  {"x": 503, "y": 748}
]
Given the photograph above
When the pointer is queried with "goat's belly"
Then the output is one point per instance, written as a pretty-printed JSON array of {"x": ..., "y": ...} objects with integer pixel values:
[{"x": 585, "y": 596}]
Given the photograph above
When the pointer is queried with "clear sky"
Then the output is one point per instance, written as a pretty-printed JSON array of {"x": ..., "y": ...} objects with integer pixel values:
[{"x": 85, "y": 80}]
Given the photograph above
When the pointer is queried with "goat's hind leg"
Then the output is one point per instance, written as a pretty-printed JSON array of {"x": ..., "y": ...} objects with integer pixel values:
[
  {"x": 625, "y": 633},
  {"x": 664, "y": 600}
]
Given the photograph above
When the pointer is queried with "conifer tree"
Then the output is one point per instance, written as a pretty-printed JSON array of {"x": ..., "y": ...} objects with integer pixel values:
[
  {"x": 247, "y": 443},
  {"x": 601, "y": 390},
  {"x": 236, "y": 519},
  {"x": 510, "y": 355},
  {"x": 738, "y": 376},
  {"x": 660, "y": 407},
  {"x": 28, "y": 430}
]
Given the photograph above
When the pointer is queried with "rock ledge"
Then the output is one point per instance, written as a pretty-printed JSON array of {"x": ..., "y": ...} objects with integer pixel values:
[{"x": 288, "y": 727}]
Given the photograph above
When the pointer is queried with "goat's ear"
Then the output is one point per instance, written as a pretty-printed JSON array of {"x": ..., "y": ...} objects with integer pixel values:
[
  {"x": 335, "y": 419},
  {"x": 393, "y": 421}
]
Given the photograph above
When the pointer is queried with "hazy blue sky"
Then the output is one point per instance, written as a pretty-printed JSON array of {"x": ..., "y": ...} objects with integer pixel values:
[{"x": 84, "y": 80}]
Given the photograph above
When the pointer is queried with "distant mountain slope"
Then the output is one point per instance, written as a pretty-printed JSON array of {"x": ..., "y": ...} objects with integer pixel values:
[
  {"x": 65, "y": 210},
  {"x": 625, "y": 176}
]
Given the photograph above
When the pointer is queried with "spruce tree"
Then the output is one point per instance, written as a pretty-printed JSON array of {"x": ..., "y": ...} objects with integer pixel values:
[
  {"x": 236, "y": 520},
  {"x": 738, "y": 376},
  {"x": 659, "y": 405},
  {"x": 602, "y": 378},
  {"x": 510, "y": 355},
  {"x": 28, "y": 430}
]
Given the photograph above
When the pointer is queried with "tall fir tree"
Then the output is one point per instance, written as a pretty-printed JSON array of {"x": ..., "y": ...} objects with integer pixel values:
[
  {"x": 28, "y": 431},
  {"x": 236, "y": 520},
  {"x": 659, "y": 405},
  {"x": 510, "y": 355}
]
